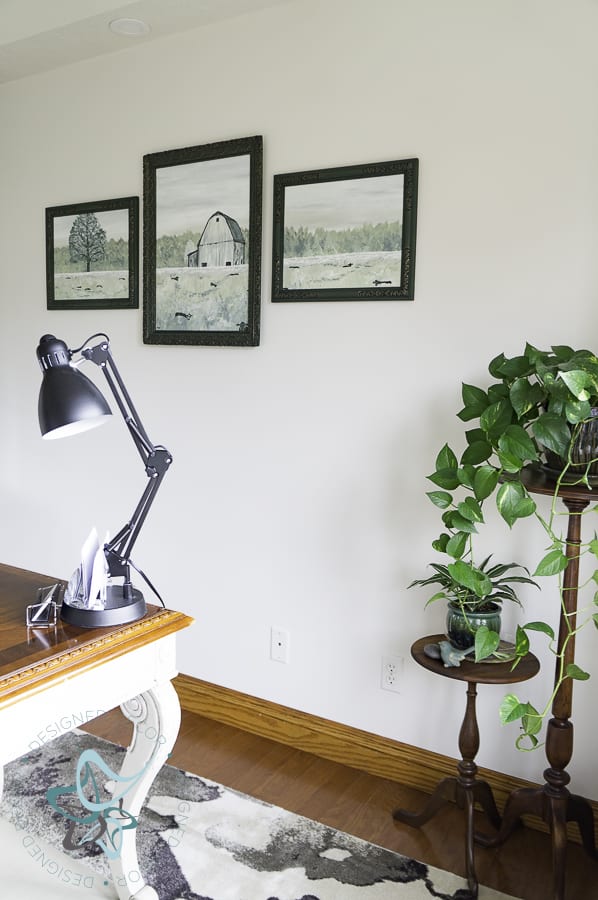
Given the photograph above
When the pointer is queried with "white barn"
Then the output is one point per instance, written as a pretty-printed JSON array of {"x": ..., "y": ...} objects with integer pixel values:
[{"x": 221, "y": 243}]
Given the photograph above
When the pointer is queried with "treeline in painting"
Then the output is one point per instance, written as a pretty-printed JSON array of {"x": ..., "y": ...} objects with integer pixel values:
[
  {"x": 114, "y": 257},
  {"x": 385, "y": 236}
]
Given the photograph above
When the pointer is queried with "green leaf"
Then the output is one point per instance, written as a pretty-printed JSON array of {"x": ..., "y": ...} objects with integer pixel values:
[
  {"x": 456, "y": 545},
  {"x": 553, "y": 433},
  {"x": 509, "y": 462},
  {"x": 476, "y": 453},
  {"x": 573, "y": 671},
  {"x": 466, "y": 475},
  {"x": 475, "y": 434},
  {"x": 531, "y": 721},
  {"x": 515, "y": 367},
  {"x": 445, "y": 478},
  {"x": 496, "y": 418},
  {"x": 513, "y": 502},
  {"x": 509, "y": 709},
  {"x": 517, "y": 442},
  {"x": 595, "y": 619},
  {"x": 525, "y": 396},
  {"x": 540, "y": 626},
  {"x": 498, "y": 392},
  {"x": 471, "y": 578},
  {"x": 495, "y": 366},
  {"x": 475, "y": 402},
  {"x": 512, "y": 709},
  {"x": 562, "y": 352},
  {"x": 459, "y": 523},
  {"x": 578, "y": 382},
  {"x": 446, "y": 459},
  {"x": 554, "y": 562},
  {"x": 440, "y": 543},
  {"x": 440, "y": 595},
  {"x": 485, "y": 481},
  {"x": 441, "y": 499},
  {"x": 486, "y": 642},
  {"x": 577, "y": 411},
  {"x": 471, "y": 509},
  {"x": 521, "y": 642}
]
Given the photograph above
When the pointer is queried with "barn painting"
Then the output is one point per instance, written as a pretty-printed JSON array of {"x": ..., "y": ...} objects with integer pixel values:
[
  {"x": 202, "y": 244},
  {"x": 221, "y": 243}
]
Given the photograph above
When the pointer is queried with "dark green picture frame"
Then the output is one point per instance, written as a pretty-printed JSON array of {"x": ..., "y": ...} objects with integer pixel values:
[
  {"x": 202, "y": 244},
  {"x": 92, "y": 255},
  {"x": 347, "y": 233}
]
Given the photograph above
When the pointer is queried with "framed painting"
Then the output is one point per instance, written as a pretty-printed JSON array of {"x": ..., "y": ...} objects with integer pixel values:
[
  {"x": 92, "y": 255},
  {"x": 202, "y": 244},
  {"x": 346, "y": 233}
]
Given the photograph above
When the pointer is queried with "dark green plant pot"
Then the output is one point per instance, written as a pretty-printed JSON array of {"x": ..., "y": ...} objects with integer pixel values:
[{"x": 461, "y": 629}]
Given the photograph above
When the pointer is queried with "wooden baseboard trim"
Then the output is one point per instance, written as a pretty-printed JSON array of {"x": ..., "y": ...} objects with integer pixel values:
[{"x": 371, "y": 753}]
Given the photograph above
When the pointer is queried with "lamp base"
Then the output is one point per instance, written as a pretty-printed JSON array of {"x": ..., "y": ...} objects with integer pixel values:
[{"x": 117, "y": 611}]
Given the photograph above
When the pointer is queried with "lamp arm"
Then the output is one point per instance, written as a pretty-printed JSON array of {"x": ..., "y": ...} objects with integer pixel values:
[
  {"x": 156, "y": 459},
  {"x": 102, "y": 357},
  {"x": 118, "y": 550}
]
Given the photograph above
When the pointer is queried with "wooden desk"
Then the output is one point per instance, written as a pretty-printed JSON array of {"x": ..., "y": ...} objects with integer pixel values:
[{"x": 53, "y": 679}]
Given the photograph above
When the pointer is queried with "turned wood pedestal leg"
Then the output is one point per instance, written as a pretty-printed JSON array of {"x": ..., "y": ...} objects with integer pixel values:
[
  {"x": 553, "y": 803},
  {"x": 464, "y": 789}
]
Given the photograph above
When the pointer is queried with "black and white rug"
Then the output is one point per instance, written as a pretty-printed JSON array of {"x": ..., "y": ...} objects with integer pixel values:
[{"x": 196, "y": 840}]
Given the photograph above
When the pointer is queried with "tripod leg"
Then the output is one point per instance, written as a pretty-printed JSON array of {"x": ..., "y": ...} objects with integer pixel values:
[
  {"x": 558, "y": 815},
  {"x": 482, "y": 793},
  {"x": 445, "y": 791},
  {"x": 523, "y": 800},
  {"x": 580, "y": 811},
  {"x": 472, "y": 881}
]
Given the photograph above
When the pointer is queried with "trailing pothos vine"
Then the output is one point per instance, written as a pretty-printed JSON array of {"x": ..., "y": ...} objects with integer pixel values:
[{"x": 533, "y": 413}]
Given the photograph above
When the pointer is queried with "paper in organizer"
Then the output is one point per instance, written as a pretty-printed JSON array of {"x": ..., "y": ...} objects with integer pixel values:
[{"x": 87, "y": 586}]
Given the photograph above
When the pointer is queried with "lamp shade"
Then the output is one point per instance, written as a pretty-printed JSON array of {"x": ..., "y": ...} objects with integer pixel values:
[{"x": 68, "y": 401}]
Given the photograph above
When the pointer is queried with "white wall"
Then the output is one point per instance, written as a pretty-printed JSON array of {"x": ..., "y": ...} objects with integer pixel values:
[{"x": 297, "y": 495}]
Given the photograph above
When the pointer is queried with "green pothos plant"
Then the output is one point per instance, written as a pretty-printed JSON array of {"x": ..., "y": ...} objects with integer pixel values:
[{"x": 536, "y": 407}]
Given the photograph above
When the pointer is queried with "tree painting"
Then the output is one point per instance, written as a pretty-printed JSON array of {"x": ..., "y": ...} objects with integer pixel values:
[
  {"x": 92, "y": 255},
  {"x": 87, "y": 240}
]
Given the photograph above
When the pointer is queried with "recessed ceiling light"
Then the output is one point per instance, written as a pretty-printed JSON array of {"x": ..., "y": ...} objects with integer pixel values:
[{"x": 129, "y": 27}]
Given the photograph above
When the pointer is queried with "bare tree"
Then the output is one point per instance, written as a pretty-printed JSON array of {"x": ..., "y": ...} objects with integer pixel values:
[{"x": 87, "y": 240}]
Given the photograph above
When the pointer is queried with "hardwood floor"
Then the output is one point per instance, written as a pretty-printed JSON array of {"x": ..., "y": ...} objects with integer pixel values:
[{"x": 362, "y": 805}]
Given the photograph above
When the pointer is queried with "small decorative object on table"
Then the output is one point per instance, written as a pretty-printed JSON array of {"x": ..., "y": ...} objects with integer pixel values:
[{"x": 44, "y": 612}]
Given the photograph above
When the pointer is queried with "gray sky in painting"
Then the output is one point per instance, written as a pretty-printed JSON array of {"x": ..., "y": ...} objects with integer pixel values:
[
  {"x": 188, "y": 195},
  {"x": 115, "y": 223},
  {"x": 345, "y": 204}
]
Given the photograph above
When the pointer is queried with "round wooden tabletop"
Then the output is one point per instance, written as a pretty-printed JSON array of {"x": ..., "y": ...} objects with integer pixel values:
[
  {"x": 478, "y": 673},
  {"x": 541, "y": 481}
]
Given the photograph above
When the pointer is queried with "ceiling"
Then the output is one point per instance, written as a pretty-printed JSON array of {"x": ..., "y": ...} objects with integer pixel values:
[{"x": 39, "y": 35}]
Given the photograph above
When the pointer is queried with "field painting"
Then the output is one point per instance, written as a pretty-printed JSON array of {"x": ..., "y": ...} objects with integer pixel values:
[
  {"x": 202, "y": 247},
  {"x": 92, "y": 255},
  {"x": 345, "y": 233}
]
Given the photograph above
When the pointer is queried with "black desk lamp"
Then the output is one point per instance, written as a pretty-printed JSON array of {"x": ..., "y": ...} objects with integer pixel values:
[{"x": 70, "y": 403}]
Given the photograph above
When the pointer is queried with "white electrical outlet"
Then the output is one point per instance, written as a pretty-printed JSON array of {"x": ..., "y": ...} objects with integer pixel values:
[
  {"x": 279, "y": 644},
  {"x": 392, "y": 671}
]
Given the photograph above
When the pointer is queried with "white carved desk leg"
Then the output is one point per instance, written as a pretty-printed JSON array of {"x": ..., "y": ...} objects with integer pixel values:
[{"x": 156, "y": 716}]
